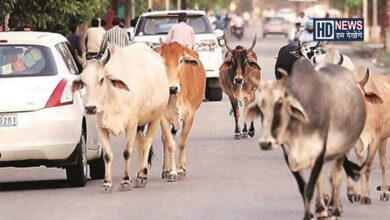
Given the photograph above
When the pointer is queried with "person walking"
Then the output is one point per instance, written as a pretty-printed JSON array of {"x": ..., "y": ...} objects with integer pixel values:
[
  {"x": 182, "y": 32},
  {"x": 115, "y": 35},
  {"x": 93, "y": 38},
  {"x": 75, "y": 41}
]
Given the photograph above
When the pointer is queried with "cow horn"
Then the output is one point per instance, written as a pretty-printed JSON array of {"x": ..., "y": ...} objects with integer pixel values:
[
  {"x": 107, "y": 58},
  {"x": 162, "y": 43},
  {"x": 253, "y": 44},
  {"x": 226, "y": 44},
  {"x": 363, "y": 82},
  {"x": 317, "y": 45}
]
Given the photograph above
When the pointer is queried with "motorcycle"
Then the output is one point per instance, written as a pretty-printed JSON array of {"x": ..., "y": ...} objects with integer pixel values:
[{"x": 238, "y": 32}]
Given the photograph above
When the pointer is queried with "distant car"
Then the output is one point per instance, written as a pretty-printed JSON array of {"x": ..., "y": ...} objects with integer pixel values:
[
  {"x": 288, "y": 14},
  {"x": 42, "y": 122},
  {"x": 155, "y": 25},
  {"x": 275, "y": 25}
]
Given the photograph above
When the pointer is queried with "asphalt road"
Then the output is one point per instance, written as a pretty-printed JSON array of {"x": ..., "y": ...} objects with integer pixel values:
[{"x": 226, "y": 179}]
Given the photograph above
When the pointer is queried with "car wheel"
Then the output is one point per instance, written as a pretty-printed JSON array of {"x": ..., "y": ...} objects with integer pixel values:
[
  {"x": 77, "y": 174},
  {"x": 97, "y": 168},
  {"x": 214, "y": 94}
]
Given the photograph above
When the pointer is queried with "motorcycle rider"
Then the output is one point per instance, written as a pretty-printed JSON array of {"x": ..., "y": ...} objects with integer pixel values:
[
  {"x": 295, "y": 33},
  {"x": 307, "y": 34}
]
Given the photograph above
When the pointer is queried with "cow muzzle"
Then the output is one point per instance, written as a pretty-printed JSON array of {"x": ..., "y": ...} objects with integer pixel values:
[
  {"x": 90, "y": 109},
  {"x": 173, "y": 90},
  {"x": 238, "y": 81},
  {"x": 267, "y": 144}
]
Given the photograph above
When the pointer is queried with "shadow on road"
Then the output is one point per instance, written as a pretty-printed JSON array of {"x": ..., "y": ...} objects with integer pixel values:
[{"x": 33, "y": 185}]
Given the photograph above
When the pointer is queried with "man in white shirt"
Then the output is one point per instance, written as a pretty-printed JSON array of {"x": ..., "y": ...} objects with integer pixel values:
[
  {"x": 115, "y": 35},
  {"x": 93, "y": 39},
  {"x": 182, "y": 32},
  {"x": 307, "y": 34}
]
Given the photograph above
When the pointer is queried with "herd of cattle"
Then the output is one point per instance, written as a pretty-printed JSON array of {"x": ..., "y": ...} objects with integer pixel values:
[{"x": 320, "y": 107}]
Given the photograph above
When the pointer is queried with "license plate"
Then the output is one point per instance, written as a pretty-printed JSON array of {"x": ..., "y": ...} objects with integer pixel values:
[{"x": 8, "y": 120}]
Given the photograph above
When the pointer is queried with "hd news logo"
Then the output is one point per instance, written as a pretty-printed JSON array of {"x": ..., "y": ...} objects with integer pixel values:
[{"x": 338, "y": 29}]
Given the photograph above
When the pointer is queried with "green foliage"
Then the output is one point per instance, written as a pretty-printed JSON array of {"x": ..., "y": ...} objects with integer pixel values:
[
  {"x": 352, "y": 4},
  {"x": 54, "y": 15}
]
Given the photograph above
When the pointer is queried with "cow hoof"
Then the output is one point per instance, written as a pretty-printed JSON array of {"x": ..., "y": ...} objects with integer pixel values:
[
  {"x": 319, "y": 208},
  {"x": 353, "y": 198},
  {"x": 164, "y": 174},
  {"x": 251, "y": 134},
  {"x": 125, "y": 186},
  {"x": 336, "y": 213},
  {"x": 107, "y": 189},
  {"x": 140, "y": 182},
  {"x": 244, "y": 135},
  {"x": 308, "y": 216},
  {"x": 172, "y": 178},
  {"x": 182, "y": 174},
  {"x": 237, "y": 136},
  {"x": 379, "y": 188},
  {"x": 365, "y": 201},
  {"x": 384, "y": 196}
]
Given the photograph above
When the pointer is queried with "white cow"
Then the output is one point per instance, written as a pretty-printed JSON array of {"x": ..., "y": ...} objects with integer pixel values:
[
  {"x": 128, "y": 89},
  {"x": 333, "y": 56}
]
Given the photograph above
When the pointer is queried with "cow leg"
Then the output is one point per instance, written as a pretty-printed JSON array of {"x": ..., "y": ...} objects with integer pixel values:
[
  {"x": 170, "y": 145},
  {"x": 236, "y": 111},
  {"x": 165, "y": 170},
  {"x": 384, "y": 188},
  {"x": 335, "y": 180},
  {"x": 366, "y": 199},
  {"x": 352, "y": 194},
  {"x": 143, "y": 171},
  {"x": 309, "y": 188},
  {"x": 297, "y": 175},
  {"x": 244, "y": 133},
  {"x": 131, "y": 132},
  {"x": 182, "y": 163},
  {"x": 108, "y": 156},
  {"x": 321, "y": 206}
]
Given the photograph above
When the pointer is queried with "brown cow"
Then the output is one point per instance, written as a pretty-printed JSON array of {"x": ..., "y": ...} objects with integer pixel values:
[
  {"x": 235, "y": 75},
  {"x": 187, "y": 81},
  {"x": 374, "y": 135}
]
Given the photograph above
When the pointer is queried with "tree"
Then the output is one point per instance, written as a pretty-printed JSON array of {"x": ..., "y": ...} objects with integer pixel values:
[{"x": 54, "y": 15}]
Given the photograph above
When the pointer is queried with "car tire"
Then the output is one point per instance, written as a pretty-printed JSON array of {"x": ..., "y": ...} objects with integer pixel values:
[
  {"x": 214, "y": 94},
  {"x": 77, "y": 174},
  {"x": 97, "y": 168}
]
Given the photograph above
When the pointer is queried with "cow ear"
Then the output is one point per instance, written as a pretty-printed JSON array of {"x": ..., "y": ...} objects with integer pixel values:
[
  {"x": 158, "y": 50},
  {"x": 296, "y": 54},
  {"x": 295, "y": 109},
  {"x": 373, "y": 98},
  {"x": 77, "y": 84},
  {"x": 253, "y": 111},
  {"x": 119, "y": 84},
  {"x": 284, "y": 75},
  {"x": 190, "y": 56}
]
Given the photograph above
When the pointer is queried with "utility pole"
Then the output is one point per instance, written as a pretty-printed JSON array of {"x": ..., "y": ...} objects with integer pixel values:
[
  {"x": 150, "y": 4},
  {"x": 132, "y": 9},
  {"x": 375, "y": 29},
  {"x": 167, "y": 2}
]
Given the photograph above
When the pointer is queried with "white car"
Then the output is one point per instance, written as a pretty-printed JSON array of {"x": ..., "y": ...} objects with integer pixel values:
[
  {"x": 41, "y": 121},
  {"x": 154, "y": 25}
]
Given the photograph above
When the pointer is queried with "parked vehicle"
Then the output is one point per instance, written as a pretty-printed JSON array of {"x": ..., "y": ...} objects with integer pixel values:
[
  {"x": 155, "y": 25},
  {"x": 42, "y": 122},
  {"x": 275, "y": 25}
]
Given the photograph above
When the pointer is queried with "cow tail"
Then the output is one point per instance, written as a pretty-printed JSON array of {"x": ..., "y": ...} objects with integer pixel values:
[
  {"x": 151, "y": 156},
  {"x": 352, "y": 169}
]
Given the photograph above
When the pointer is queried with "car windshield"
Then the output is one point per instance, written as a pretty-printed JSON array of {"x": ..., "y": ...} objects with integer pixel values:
[
  {"x": 274, "y": 19},
  {"x": 160, "y": 25},
  {"x": 26, "y": 60}
]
